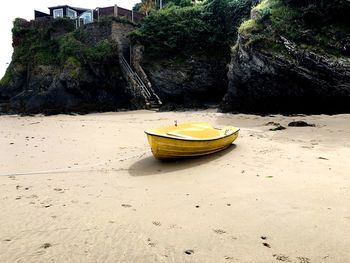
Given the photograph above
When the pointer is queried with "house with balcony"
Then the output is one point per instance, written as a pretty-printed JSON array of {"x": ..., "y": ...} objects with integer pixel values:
[
  {"x": 82, "y": 15},
  {"x": 118, "y": 11},
  {"x": 85, "y": 16}
]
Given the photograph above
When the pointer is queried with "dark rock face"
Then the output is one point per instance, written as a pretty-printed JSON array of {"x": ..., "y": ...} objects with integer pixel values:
[
  {"x": 74, "y": 85},
  {"x": 289, "y": 81},
  {"x": 192, "y": 82},
  {"x": 51, "y": 90}
]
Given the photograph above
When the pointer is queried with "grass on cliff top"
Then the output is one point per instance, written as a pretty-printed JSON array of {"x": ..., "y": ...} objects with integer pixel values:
[
  {"x": 33, "y": 43},
  {"x": 319, "y": 26},
  {"x": 54, "y": 42}
]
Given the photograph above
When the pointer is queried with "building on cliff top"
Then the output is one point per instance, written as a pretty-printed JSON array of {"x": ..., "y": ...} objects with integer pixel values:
[
  {"x": 82, "y": 15},
  {"x": 85, "y": 16}
]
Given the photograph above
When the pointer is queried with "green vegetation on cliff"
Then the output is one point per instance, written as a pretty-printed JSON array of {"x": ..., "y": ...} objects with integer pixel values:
[
  {"x": 211, "y": 26},
  {"x": 32, "y": 42},
  {"x": 55, "y": 42},
  {"x": 70, "y": 46},
  {"x": 316, "y": 25},
  {"x": 57, "y": 67},
  {"x": 147, "y": 6}
]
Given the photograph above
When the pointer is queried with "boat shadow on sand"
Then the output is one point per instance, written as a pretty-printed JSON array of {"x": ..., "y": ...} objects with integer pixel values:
[{"x": 151, "y": 166}]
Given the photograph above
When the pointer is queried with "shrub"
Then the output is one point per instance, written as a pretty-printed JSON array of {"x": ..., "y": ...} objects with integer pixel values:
[
  {"x": 225, "y": 16},
  {"x": 33, "y": 43},
  {"x": 171, "y": 29},
  {"x": 104, "y": 50},
  {"x": 317, "y": 25},
  {"x": 70, "y": 47},
  {"x": 194, "y": 28},
  {"x": 73, "y": 65},
  {"x": 249, "y": 27},
  {"x": 322, "y": 10}
]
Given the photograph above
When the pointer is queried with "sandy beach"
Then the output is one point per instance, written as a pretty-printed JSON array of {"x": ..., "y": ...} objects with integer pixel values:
[{"x": 87, "y": 189}]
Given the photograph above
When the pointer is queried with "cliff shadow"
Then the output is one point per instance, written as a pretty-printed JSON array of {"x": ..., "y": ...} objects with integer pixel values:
[{"x": 152, "y": 166}]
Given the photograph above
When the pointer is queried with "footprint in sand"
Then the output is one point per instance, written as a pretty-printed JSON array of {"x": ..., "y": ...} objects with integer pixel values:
[
  {"x": 46, "y": 245},
  {"x": 59, "y": 190},
  {"x": 156, "y": 223},
  {"x": 304, "y": 260},
  {"x": 281, "y": 257},
  {"x": 151, "y": 244},
  {"x": 219, "y": 231}
]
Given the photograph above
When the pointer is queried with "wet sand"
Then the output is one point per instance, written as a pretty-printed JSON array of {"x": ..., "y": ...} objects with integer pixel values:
[{"x": 87, "y": 189}]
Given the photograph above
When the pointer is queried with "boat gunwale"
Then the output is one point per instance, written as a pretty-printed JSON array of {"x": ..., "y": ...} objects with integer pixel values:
[{"x": 192, "y": 139}]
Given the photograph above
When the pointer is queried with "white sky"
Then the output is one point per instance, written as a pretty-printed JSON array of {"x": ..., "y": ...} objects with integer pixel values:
[{"x": 25, "y": 9}]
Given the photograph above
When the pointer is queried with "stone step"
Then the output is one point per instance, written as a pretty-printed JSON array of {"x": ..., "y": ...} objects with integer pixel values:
[{"x": 153, "y": 105}]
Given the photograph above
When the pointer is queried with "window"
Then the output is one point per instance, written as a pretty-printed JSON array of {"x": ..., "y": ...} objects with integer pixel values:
[
  {"x": 86, "y": 17},
  {"x": 71, "y": 13},
  {"x": 58, "y": 13}
]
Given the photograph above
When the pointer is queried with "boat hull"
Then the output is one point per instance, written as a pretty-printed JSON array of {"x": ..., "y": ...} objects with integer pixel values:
[{"x": 171, "y": 148}]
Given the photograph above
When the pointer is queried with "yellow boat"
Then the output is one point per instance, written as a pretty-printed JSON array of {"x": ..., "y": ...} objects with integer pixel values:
[{"x": 189, "y": 139}]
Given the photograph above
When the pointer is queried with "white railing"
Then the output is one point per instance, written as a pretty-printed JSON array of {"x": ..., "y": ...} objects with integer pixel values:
[{"x": 136, "y": 78}]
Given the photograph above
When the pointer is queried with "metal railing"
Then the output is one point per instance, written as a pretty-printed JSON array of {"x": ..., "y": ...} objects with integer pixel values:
[{"x": 125, "y": 65}]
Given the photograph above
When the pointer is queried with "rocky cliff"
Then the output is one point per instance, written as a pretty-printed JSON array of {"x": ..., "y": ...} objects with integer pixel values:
[
  {"x": 186, "y": 50},
  {"x": 290, "y": 56},
  {"x": 57, "y": 69},
  {"x": 286, "y": 62},
  {"x": 195, "y": 81}
]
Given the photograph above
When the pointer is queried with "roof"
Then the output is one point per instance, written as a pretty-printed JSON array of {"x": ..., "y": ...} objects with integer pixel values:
[{"x": 72, "y": 7}]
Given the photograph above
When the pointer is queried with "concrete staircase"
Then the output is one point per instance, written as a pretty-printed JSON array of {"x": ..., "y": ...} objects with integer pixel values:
[
  {"x": 152, "y": 100},
  {"x": 138, "y": 83}
]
